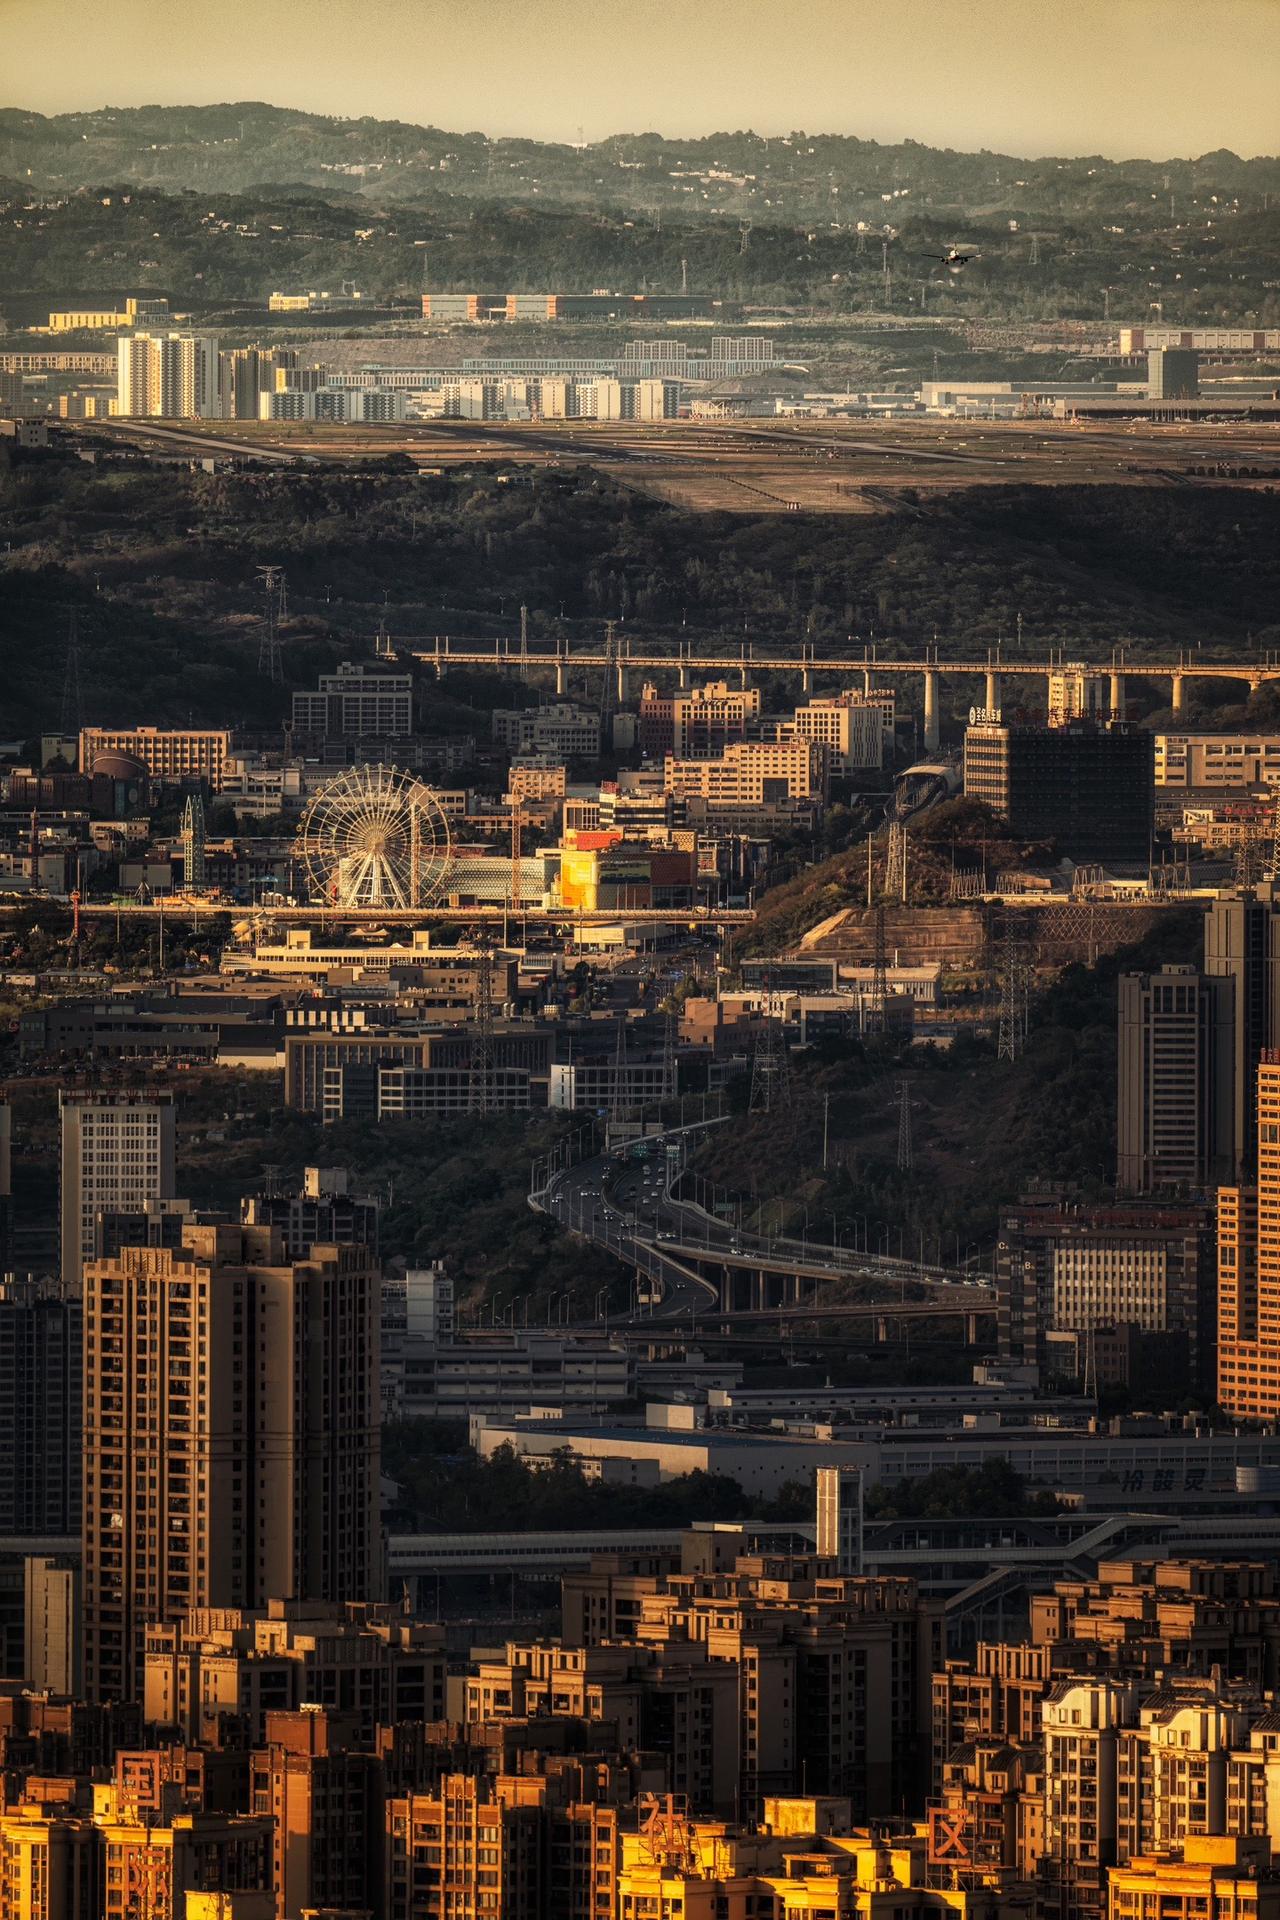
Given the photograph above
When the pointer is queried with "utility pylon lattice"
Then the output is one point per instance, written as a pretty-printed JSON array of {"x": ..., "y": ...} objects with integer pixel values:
[
  {"x": 770, "y": 1069},
  {"x": 906, "y": 1158},
  {"x": 480, "y": 1062},
  {"x": 609, "y": 685},
  {"x": 1014, "y": 970},
  {"x": 895, "y": 878},
  {"x": 524, "y": 643},
  {"x": 875, "y": 1017},
  {"x": 72, "y": 714},
  {"x": 1256, "y": 850},
  {"x": 270, "y": 665},
  {"x": 618, "y": 1078},
  {"x": 669, "y": 1066}
]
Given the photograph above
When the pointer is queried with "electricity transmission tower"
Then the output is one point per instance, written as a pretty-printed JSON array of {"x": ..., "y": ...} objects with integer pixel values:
[
  {"x": 1250, "y": 855},
  {"x": 1014, "y": 970},
  {"x": 669, "y": 1064},
  {"x": 770, "y": 1069},
  {"x": 609, "y": 685},
  {"x": 480, "y": 1061},
  {"x": 72, "y": 714},
  {"x": 875, "y": 1016},
  {"x": 270, "y": 665},
  {"x": 895, "y": 879},
  {"x": 906, "y": 1159},
  {"x": 618, "y": 1102}
]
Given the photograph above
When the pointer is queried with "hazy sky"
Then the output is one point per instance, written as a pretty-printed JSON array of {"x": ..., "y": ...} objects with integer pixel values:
[{"x": 1160, "y": 78}]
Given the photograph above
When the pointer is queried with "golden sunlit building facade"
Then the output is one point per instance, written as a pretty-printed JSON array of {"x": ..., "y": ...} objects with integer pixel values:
[{"x": 1249, "y": 1269}]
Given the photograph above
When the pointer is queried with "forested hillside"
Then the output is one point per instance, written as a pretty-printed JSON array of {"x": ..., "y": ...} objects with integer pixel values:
[{"x": 159, "y": 568}]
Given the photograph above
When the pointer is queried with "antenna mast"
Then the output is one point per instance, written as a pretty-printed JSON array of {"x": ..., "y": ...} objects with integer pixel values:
[
  {"x": 906, "y": 1157},
  {"x": 72, "y": 715},
  {"x": 193, "y": 844}
]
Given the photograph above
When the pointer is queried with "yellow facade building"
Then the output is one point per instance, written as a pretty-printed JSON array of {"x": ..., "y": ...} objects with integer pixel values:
[{"x": 1219, "y": 1877}]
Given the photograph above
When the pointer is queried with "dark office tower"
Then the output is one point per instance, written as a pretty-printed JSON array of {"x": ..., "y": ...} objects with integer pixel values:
[
  {"x": 1173, "y": 373},
  {"x": 40, "y": 1409},
  {"x": 1242, "y": 944},
  {"x": 1088, "y": 789},
  {"x": 1175, "y": 1121}
]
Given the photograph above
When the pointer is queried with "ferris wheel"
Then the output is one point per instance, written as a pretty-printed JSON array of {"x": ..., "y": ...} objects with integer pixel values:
[{"x": 375, "y": 837}]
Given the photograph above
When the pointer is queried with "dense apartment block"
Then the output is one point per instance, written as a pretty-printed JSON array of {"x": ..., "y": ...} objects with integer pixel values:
[
  {"x": 221, "y": 1670},
  {"x": 323, "y": 1796},
  {"x": 169, "y": 375},
  {"x": 674, "y": 1699},
  {"x": 804, "y": 1862},
  {"x": 1208, "y": 1877},
  {"x": 835, "y": 1670},
  {"x": 71, "y": 1853},
  {"x": 1137, "y": 1715},
  {"x": 514, "y": 1847},
  {"x": 231, "y": 1436}
]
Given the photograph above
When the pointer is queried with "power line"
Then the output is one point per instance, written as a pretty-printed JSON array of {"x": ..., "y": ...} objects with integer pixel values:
[
  {"x": 906, "y": 1157},
  {"x": 609, "y": 685},
  {"x": 480, "y": 1061},
  {"x": 72, "y": 714},
  {"x": 669, "y": 1062},
  {"x": 876, "y": 1011}
]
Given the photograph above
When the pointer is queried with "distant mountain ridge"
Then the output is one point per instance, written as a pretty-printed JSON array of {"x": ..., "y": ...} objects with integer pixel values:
[{"x": 241, "y": 144}]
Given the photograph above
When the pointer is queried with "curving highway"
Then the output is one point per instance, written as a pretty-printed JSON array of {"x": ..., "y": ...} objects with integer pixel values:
[{"x": 628, "y": 1208}]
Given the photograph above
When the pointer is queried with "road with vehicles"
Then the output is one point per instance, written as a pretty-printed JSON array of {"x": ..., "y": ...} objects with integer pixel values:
[{"x": 627, "y": 1204}]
